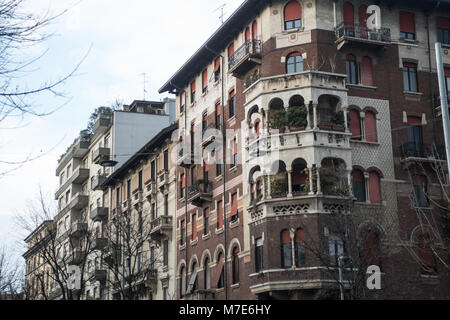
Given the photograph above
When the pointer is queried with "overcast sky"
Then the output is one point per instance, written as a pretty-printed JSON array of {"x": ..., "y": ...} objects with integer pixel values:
[{"x": 126, "y": 39}]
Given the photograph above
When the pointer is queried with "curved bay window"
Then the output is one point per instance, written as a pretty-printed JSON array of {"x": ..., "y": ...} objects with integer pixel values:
[
  {"x": 299, "y": 250},
  {"x": 286, "y": 249},
  {"x": 294, "y": 63}
]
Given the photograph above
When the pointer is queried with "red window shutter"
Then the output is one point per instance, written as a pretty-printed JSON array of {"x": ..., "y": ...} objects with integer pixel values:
[
  {"x": 207, "y": 213},
  {"x": 443, "y": 23},
  {"x": 217, "y": 64},
  {"x": 292, "y": 11},
  {"x": 407, "y": 22},
  {"x": 349, "y": 14},
  {"x": 374, "y": 187},
  {"x": 183, "y": 181},
  {"x": 182, "y": 98},
  {"x": 232, "y": 93},
  {"x": 205, "y": 78},
  {"x": 206, "y": 167},
  {"x": 234, "y": 204},
  {"x": 247, "y": 35},
  {"x": 183, "y": 224},
  {"x": 410, "y": 65},
  {"x": 219, "y": 269},
  {"x": 358, "y": 176},
  {"x": 371, "y": 127},
  {"x": 205, "y": 116},
  {"x": 254, "y": 30},
  {"x": 300, "y": 236},
  {"x": 220, "y": 214},
  {"x": 367, "y": 71},
  {"x": 230, "y": 50},
  {"x": 219, "y": 109},
  {"x": 194, "y": 227},
  {"x": 447, "y": 72},
  {"x": 285, "y": 237},
  {"x": 234, "y": 146},
  {"x": 362, "y": 12},
  {"x": 257, "y": 128},
  {"x": 414, "y": 121},
  {"x": 355, "y": 123},
  {"x": 351, "y": 57},
  {"x": 193, "y": 86}
]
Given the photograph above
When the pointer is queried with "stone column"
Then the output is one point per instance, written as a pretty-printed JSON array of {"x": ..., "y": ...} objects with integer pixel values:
[
  {"x": 362, "y": 115},
  {"x": 319, "y": 189},
  {"x": 289, "y": 173},
  {"x": 269, "y": 187},
  {"x": 315, "y": 116},
  {"x": 350, "y": 182},
  {"x": 366, "y": 182},
  {"x": 308, "y": 117},
  {"x": 347, "y": 129},
  {"x": 311, "y": 187}
]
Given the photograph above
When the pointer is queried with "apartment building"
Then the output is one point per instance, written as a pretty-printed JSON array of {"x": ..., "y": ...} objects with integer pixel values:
[
  {"x": 323, "y": 121},
  {"x": 37, "y": 273},
  {"x": 116, "y": 136}
]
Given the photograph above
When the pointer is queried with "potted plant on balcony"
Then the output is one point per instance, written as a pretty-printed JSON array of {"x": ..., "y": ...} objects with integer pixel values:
[
  {"x": 279, "y": 188},
  {"x": 338, "y": 121},
  {"x": 278, "y": 121},
  {"x": 296, "y": 118}
]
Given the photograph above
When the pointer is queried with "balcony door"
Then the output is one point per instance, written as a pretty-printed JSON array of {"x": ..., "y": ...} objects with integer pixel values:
[{"x": 415, "y": 142}]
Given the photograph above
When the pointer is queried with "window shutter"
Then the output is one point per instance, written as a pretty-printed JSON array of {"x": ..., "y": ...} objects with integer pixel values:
[
  {"x": 351, "y": 57},
  {"x": 234, "y": 205},
  {"x": 447, "y": 73},
  {"x": 205, "y": 78},
  {"x": 231, "y": 49},
  {"x": 285, "y": 237},
  {"x": 217, "y": 64},
  {"x": 219, "y": 269},
  {"x": 220, "y": 214},
  {"x": 193, "y": 86},
  {"x": 219, "y": 109},
  {"x": 183, "y": 98},
  {"x": 358, "y": 176},
  {"x": 407, "y": 22},
  {"x": 247, "y": 34},
  {"x": 362, "y": 12},
  {"x": 254, "y": 30},
  {"x": 292, "y": 11},
  {"x": 349, "y": 14},
  {"x": 257, "y": 128},
  {"x": 183, "y": 224},
  {"x": 371, "y": 127},
  {"x": 300, "y": 236},
  {"x": 234, "y": 146},
  {"x": 367, "y": 71},
  {"x": 443, "y": 23},
  {"x": 374, "y": 187},
  {"x": 194, "y": 227},
  {"x": 207, "y": 213},
  {"x": 183, "y": 181},
  {"x": 355, "y": 123},
  {"x": 414, "y": 121}
]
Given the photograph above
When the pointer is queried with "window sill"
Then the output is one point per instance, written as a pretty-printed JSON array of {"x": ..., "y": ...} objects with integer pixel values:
[
  {"x": 216, "y": 83},
  {"x": 206, "y": 236},
  {"x": 194, "y": 242},
  {"x": 182, "y": 247},
  {"x": 233, "y": 169},
  {"x": 218, "y": 178},
  {"x": 413, "y": 93},
  {"x": 365, "y": 142},
  {"x": 409, "y": 41},
  {"x": 219, "y": 231},
  {"x": 301, "y": 29},
  {"x": 361, "y": 86},
  {"x": 368, "y": 204},
  {"x": 219, "y": 290},
  {"x": 204, "y": 92},
  {"x": 235, "y": 224},
  {"x": 235, "y": 286},
  {"x": 193, "y": 104}
]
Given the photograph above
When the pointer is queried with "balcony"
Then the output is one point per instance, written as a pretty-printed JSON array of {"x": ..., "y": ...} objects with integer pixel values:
[
  {"x": 160, "y": 226},
  {"x": 245, "y": 58},
  {"x": 127, "y": 205},
  {"x": 151, "y": 187},
  {"x": 79, "y": 201},
  {"x": 185, "y": 158},
  {"x": 200, "y": 192},
  {"x": 99, "y": 214},
  {"x": 75, "y": 257},
  {"x": 357, "y": 34},
  {"x": 147, "y": 277},
  {"x": 200, "y": 295},
  {"x": 137, "y": 197},
  {"x": 78, "y": 176},
  {"x": 78, "y": 150},
  {"x": 209, "y": 135},
  {"x": 424, "y": 153},
  {"x": 100, "y": 155},
  {"x": 97, "y": 182},
  {"x": 102, "y": 124},
  {"x": 99, "y": 243},
  {"x": 111, "y": 254},
  {"x": 98, "y": 274},
  {"x": 78, "y": 230},
  {"x": 163, "y": 180}
]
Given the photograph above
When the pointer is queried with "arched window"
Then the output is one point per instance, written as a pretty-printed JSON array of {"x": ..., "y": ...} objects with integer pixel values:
[
  {"x": 220, "y": 271},
  {"x": 370, "y": 124},
  {"x": 371, "y": 249},
  {"x": 362, "y": 13},
  {"x": 257, "y": 128},
  {"x": 235, "y": 265},
  {"x": 426, "y": 254},
  {"x": 359, "y": 185},
  {"x": 292, "y": 15},
  {"x": 207, "y": 274},
  {"x": 352, "y": 69},
  {"x": 182, "y": 281},
  {"x": 374, "y": 187},
  {"x": 300, "y": 254},
  {"x": 355, "y": 124},
  {"x": 286, "y": 249},
  {"x": 254, "y": 30},
  {"x": 367, "y": 71},
  {"x": 349, "y": 18},
  {"x": 294, "y": 63}
]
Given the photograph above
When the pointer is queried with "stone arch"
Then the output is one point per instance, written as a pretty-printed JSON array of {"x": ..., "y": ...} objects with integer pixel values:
[
  {"x": 235, "y": 242},
  {"x": 206, "y": 254}
]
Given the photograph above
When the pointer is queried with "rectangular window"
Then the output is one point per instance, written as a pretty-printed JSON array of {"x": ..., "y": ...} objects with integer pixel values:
[
  {"x": 217, "y": 69},
  {"x": 194, "y": 227},
  {"x": 166, "y": 205},
  {"x": 182, "y": 186},
  {"x": 152, "y": 258},
  {"x": 204, "y": 122},
  {"x": 234, "y": 208},
  {"x": 140, "y": 180},
  {"x": 259, "y": 263},
  {"x": 204, "y": 80},
  {"x": 336, "y": 248},
  {"x": 219, "y": 162},
  {"x": 166, "y": 293},
  {"x": 230, "y": 50},
  {"x": 193, "y": 91},
  {"x": 183, "y": 232},
  {"x": 128, "y": 189},
  {"x": 182, "y": 101},
  {"x": 153, "y": 213},
  {"x": 443, "y": 30},
  {"x": 235, "y": 154},
  {"x": 166, "y": 253},
  {"x": 218, "y": 116},
  {"x": 206, "y": 221},
  {"x": 166, "y": 160},
  {"x": 231, "y": 103},
  {"x": 118, "y": 200},
  {"x": 407, "y": 25},
  {"x": 153, "y": 171},
  {"x": 410, "y": 77},
  {"x": 352, "y": 71}
]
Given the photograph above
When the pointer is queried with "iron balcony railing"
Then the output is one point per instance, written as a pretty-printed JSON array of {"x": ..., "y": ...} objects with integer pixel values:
[
  {"x": 362, "y": 32},
  {"x": 200, "y": 187},
  {"x": 414, "y": 150},
  {"x": 248, "y": 48}
]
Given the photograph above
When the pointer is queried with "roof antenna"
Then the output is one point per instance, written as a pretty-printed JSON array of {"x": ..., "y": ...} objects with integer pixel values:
[
  {"x": 145, "y": 83},
  {"x": 221, "y": 8}
]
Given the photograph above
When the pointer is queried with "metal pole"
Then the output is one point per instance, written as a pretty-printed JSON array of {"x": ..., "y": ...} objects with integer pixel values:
[
  {"x": 341, "y": 285},
  {"x": 444, "y": 100}
]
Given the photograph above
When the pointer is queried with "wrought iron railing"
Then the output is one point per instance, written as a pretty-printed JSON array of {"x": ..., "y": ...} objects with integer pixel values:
[
  {"x": 250, "y": 47},
  {"x": 362, "y": 32}
]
